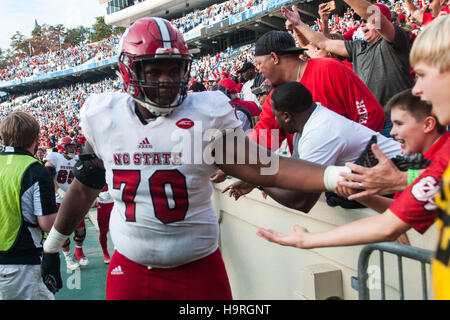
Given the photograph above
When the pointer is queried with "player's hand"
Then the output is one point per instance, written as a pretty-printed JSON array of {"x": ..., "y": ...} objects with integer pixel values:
[
  {"x": 238, "y": 189},
  {"x": 323, "y": 12},
  {"x": 50, "y": 271},
  {"x": 384, "y": 178},
  {"x": 345, "y": 192},
  {"x": 403, "y": 239},
  {"x": 295, "y": 239},
  {"x": 292, "y": 17},
  {"x": 219, "y": 177}
]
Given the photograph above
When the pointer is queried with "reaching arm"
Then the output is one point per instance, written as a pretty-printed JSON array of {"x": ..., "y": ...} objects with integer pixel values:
[
  {"x": 384, "y": 227},
  {"x": 373, "y": 15},
  {"x": 297, "y": 200},
  {"x": 293, "y": 199},
  {"x": 414, "y": 11},
  {"x": 324, "y": 16},
  {"x": 317, "y": 38},
  {"x": 75, "y": 205},
  {"x": 248, "y": 161}
]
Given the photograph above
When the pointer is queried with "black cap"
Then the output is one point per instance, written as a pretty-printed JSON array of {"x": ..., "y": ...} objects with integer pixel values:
[
  {"x": 280, "y": 42},
  {"x": 246, "y": 66}
]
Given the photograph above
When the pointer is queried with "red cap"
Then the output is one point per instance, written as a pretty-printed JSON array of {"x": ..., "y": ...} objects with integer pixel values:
[
  {"x": 224, "y": 73},
  {"x": 384, "y": 10},
  {"x": 401, "y": 16},
  {"x": 229, "y": 84}
]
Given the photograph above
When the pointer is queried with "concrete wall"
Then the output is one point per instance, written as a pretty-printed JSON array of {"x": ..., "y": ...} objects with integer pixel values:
[{"x": 262, "y": 270}]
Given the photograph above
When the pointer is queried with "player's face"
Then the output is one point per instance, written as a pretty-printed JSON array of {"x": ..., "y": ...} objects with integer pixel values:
[
  {"x": 432, "y": 86},
  {"x": 408, "y": 131},
  {"x": 168, "y": 73},
  {"x": 69, "y": 150},
  {"x": 39, "y": 154}
]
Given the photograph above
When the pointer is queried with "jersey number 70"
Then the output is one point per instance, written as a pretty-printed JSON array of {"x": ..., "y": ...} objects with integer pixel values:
[{"x": 157, "y": 185}]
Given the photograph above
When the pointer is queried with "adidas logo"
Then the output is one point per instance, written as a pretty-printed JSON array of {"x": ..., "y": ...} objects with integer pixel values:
[
  {"x": 145, "y": 144},
  {"x": 117, "y": 271}
]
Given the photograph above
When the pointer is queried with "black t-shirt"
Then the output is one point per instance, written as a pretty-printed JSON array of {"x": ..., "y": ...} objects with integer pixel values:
[{"x": 383, "y": 66}]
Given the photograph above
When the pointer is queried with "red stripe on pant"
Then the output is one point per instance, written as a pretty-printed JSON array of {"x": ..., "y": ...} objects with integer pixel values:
[
  {"x": 204, "y": 279},
  {"x": 103, "y": 215}
]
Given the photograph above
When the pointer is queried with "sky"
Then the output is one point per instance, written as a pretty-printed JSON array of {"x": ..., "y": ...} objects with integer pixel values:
[{"x": 19, "y": 15}]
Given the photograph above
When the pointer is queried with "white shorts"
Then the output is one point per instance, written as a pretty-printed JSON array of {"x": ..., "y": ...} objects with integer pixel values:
[{"x": 23, "y": 282}]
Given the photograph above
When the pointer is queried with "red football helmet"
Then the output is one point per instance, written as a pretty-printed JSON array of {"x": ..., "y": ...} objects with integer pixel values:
[
  {"x": 149, "y": 39},
  {"x": 67, "y": 147}
]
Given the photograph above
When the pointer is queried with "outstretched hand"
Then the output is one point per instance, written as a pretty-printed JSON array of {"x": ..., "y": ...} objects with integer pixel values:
[
  {"x": 238, "y": 189},
  {"x": 292, "y": 17},
  {"x": 219, "y": 177},
  {"x": 324, "y": 12},
  {"x": 296, "y": 239},
  {"x": 384, "y": 178}
]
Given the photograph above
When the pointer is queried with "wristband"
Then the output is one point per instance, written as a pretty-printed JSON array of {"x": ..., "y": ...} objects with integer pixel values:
[
  {"x": 54, "y": 241},
  {"x": 331, "y": 176},
  {"x": 412, "y": 175}
]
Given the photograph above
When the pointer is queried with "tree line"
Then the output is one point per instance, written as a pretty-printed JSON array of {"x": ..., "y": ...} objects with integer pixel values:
[{"x": 46, "y": 38}]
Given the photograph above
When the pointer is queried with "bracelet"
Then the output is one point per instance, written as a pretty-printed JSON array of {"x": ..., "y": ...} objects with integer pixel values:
[
  {"x": 54, "y": 241},
  {"x": 331, "y": 176},
  {"x": 412, "y": 175},
  {"x": 259, "y": 188}
]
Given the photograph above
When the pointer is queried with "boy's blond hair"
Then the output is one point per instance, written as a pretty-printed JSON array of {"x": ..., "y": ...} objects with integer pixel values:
[{"x": 432, "y": 46}]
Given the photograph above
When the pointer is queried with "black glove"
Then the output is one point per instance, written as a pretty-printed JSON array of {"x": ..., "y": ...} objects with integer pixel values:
[
  {"x": 50, "y": 271},
  {"x": 367, "y": 158},
  {"x": 411, "y": 161},
  {"x": 403, "y": 163}
]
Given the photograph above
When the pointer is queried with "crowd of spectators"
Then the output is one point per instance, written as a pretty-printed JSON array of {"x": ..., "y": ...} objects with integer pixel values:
[
  {"x": 31, "y": 66},
  {"x": 212, "y": 14},
  {"x": 57, "y": 110}
]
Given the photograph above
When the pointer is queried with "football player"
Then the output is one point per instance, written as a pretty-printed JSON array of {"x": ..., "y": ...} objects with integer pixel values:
[
  {"x": 163, "y": 224},
  {"x": 60, "y": 165}
]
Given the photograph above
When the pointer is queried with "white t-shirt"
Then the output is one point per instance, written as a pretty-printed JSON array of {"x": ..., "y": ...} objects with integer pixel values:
[
  {"x": 162, "y": 215},
  {"x": 331, "y": 139},
  {"x": 246, "y": 92},
  {"x": 64, "y": 175}
]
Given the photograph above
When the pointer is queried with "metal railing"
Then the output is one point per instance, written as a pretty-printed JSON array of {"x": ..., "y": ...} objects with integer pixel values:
[{"x": 402, "y": 251}]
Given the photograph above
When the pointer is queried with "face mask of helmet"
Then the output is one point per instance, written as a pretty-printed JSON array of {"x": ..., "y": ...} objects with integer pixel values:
[
  {"x": 154, "y": 41},
  {"x": 160, "y": 97}
]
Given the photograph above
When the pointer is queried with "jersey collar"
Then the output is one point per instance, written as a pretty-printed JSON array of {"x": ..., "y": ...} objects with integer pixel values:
[{"x": 13, "y": 150}]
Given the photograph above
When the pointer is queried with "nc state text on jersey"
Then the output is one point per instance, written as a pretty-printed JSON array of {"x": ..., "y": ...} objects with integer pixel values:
[{"x": 147, "y": 158}]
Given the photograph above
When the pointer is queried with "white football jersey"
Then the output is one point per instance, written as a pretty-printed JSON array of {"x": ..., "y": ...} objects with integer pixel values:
[
  {"x": 64, "y": 175},
  {"x": 157, "y": 175}
]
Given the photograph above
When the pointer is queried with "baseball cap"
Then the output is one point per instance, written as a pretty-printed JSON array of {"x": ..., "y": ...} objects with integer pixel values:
[
  {"x": 384, "y": 10},
  {"x": 229, "y": 84},
  {"x": 280, "y": 42},
  {"x": 246, "y": 66}
]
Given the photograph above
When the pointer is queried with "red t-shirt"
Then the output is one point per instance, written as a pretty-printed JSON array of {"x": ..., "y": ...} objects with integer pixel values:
[
  {"x": 336, "y": 87},
  {"x": 431, "y": 153},
  {"x": 416, "y": 205},
  {"x": 428, "y": 17}
]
